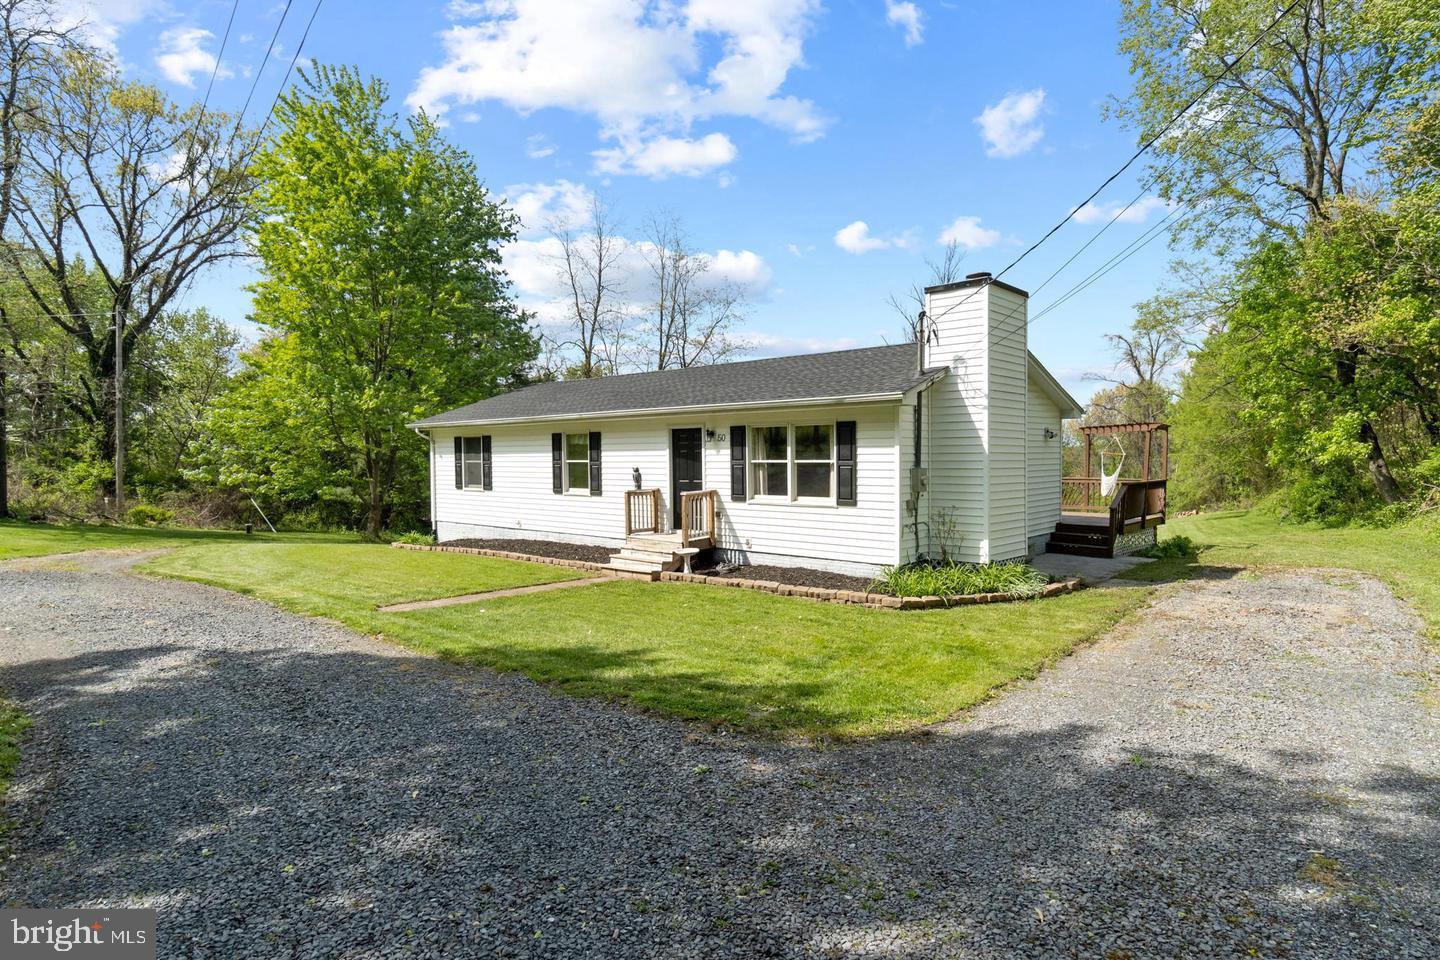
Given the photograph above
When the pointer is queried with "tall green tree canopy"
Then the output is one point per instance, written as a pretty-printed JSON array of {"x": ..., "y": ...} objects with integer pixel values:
[
  {"x": 1289, "y": 125},
  {"x": 382, "y": 292}
]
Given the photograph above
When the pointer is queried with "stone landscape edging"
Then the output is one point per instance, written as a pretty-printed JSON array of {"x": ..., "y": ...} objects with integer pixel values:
[{"x": 878, "y": 601}]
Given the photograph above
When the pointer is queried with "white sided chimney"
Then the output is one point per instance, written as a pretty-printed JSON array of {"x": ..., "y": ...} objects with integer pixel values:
[{"x": 976, "y": 328}]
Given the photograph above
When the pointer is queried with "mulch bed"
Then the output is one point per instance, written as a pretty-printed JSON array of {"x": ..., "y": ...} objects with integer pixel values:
[
  {"x": 584, "y": 552},
  {"x": 794, "y": 576}
]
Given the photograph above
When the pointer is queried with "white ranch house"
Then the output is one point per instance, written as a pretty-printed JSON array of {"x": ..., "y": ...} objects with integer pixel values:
[{"x": 847, "y": 461}]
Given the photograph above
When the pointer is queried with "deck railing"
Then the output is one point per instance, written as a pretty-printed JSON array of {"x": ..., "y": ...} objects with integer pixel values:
[
  {"x": 1133, "y": 499},
  {"x": 1082, "y": 495},
  {"x": 642, "y": 511},
  {"x": 697, "y": 516}
]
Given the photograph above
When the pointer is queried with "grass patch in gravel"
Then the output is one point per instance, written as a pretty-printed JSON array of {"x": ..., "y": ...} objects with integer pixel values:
[
  {"x": 13, "y": 724},
  {"x": 340, "y": 580},
  {"x": 735, "y": 657},
  {"x": 1405, "y": 557}
]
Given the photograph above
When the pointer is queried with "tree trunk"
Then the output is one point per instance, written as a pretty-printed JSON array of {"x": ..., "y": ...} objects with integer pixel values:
[
  {"x": 4, "y": 441},
  {"x": 1385, "y": 482},
  {"x": 375, "y": 515},
  {"x": 1346, "y": 361}
]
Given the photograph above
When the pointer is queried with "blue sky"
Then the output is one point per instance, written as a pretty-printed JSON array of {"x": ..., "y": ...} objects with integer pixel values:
[{"x": 771, "y": 127}]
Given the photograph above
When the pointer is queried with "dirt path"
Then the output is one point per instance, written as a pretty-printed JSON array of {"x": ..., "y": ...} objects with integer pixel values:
[{"x": 1252, "y": 768}]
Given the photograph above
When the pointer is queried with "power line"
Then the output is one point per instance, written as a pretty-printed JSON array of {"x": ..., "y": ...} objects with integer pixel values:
[
  {"x": 235, "y": 4},
  {"x": 293, "y": 60},
  {"x": 260, "y": 71},
  {"x": 1133, "y": 157}
]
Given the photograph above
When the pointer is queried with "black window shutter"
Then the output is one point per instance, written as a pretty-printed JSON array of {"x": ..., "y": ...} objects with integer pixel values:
[
  {"x": 737, "y": 464},
  {"x": 459, "y": 463},
  {"x": 485, "y": 473},
  {"x": 845, "y": 463},
  {"x": 594, "y": 464},
  {"x": 557, "y": 462}
]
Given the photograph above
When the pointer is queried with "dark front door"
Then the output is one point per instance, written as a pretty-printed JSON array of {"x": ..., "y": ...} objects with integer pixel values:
[{"x": 685, "y": 450}]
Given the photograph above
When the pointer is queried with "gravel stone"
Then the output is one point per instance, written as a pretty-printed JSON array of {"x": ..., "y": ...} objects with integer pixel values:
[{"x": 1249, "y": 768}]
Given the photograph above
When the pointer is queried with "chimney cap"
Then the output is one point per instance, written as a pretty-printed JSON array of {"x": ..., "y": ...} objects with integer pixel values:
[{"x": 978, "y": 275}]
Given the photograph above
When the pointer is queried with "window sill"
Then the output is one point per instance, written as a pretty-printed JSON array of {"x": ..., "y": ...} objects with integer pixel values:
[
  {"x": 577, "y": 493},
  {"x": 811, "y": 502}
]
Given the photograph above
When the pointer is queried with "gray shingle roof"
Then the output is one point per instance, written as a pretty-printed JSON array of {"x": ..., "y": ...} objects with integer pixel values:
[{"x": 872, "y": 371}]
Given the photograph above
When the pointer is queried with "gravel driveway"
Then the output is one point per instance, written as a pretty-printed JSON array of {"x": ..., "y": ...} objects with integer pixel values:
[{"x": 1252, "y": 768}]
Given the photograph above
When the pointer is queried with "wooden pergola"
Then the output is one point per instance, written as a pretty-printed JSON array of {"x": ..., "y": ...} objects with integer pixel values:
[{"x": 1149, "y": 430}]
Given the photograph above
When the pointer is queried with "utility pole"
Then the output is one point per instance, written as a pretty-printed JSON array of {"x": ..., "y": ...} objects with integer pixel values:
[{"x": 119, "y": 412}]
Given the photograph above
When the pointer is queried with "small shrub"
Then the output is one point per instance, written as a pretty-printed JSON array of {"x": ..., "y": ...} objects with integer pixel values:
[
  {"x": 417, "y": 538},
  {"x": 1178, "y": 547},
  {"x": 148, "y": 515},
  {"x": 957, "y": 579}
]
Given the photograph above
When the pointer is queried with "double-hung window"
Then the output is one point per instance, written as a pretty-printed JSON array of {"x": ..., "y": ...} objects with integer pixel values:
[
  {"x": 473, "y": 459},
  {"x": 770, "y": 461},
  {"x": 577, "y": 462},
  {"x": 793, "y": 462},
  {"x": 814, "y": 462}
]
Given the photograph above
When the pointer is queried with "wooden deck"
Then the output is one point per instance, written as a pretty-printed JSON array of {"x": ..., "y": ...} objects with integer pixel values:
[{"x": 1088, "y": 530}]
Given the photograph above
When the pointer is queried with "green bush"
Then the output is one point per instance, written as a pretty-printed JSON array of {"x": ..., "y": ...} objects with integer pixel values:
[
  {"x": 1179, "y": 547},
  {"x": 148, "y": 515},
  {"x": 415, "y": 537},
  {"x": 957, "y": 579}
]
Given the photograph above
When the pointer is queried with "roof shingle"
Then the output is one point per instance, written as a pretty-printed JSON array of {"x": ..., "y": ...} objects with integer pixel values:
[{"x": 870, "y": 371}]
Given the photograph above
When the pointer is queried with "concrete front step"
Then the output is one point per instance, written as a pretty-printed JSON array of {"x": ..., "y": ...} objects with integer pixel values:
[{"x": 621, "y": 562}]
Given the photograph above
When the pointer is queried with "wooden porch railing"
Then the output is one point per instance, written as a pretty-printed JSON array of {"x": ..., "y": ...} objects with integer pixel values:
[
  {"x": 1134, "y": 501},
  {"x": 1082, "y": 495},
  {"x": 697, "y": 516},
  {"x": 642, "y": 511}
]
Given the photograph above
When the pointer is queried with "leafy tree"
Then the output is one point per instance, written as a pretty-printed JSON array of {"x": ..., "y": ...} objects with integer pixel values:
[
  {"x": 118, "y": 199},
  {"x": 383, "y": 295},
  {"x": 1288, "y": 125}
]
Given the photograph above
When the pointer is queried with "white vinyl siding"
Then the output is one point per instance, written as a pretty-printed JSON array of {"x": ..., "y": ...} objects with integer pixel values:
[
  {"x": 1008, "y": 379},
  {"x": 521, "y": 504},
  {"x": 1042, "y": 464},
  {"x": 958, "y": 431}
]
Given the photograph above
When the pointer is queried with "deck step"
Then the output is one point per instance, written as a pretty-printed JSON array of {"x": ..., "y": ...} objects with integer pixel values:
[
  {"x": 1081, "y": 539},
  {"x": 1079, "y": 550}
]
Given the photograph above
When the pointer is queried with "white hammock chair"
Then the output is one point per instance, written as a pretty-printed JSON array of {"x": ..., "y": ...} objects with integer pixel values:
[{"x": 1109, "y": 481}]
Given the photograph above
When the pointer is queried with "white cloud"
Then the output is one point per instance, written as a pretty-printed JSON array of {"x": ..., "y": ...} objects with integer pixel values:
[
  {"x": 532, "y": 264},
  {"x": 908, "y": 17},
  {"x": 181, "y": 56},
  {"x": 1012, "y": 126},
  {"x": 857, "y": 239},
  {"x": 967, "y": 233},
  {"x": 661, "y": 157},
  {"x": 102, "y": 21},
  {"x": 646, "y": 71},
  {"x": 745, "y": 268},
  {"x": 538, "y": 146},
  {"x": 1138, "y": 212},
  {"x": 538, "y": 205}
]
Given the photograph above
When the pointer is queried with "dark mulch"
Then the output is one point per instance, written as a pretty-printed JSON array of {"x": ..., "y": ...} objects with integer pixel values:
[
  {"x": 795, "y": 576},
  {"x": 541, "y": 548}
]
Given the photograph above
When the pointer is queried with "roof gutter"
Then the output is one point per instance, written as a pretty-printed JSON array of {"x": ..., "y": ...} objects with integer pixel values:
[{"x": 695, "y": 408}]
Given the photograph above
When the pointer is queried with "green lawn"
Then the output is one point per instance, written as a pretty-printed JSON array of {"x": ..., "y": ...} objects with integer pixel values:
[
  {"x": 18, "y": 539},
  {"x": 756, "y": 661},
  {"x": 747, "y": 659},
  {"x": 1406, "y": 557},
  {"x": 340, "y": 580}
]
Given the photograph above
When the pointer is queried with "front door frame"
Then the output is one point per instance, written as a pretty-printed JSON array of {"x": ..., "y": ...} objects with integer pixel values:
[{"x": 674, "y": 474}]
